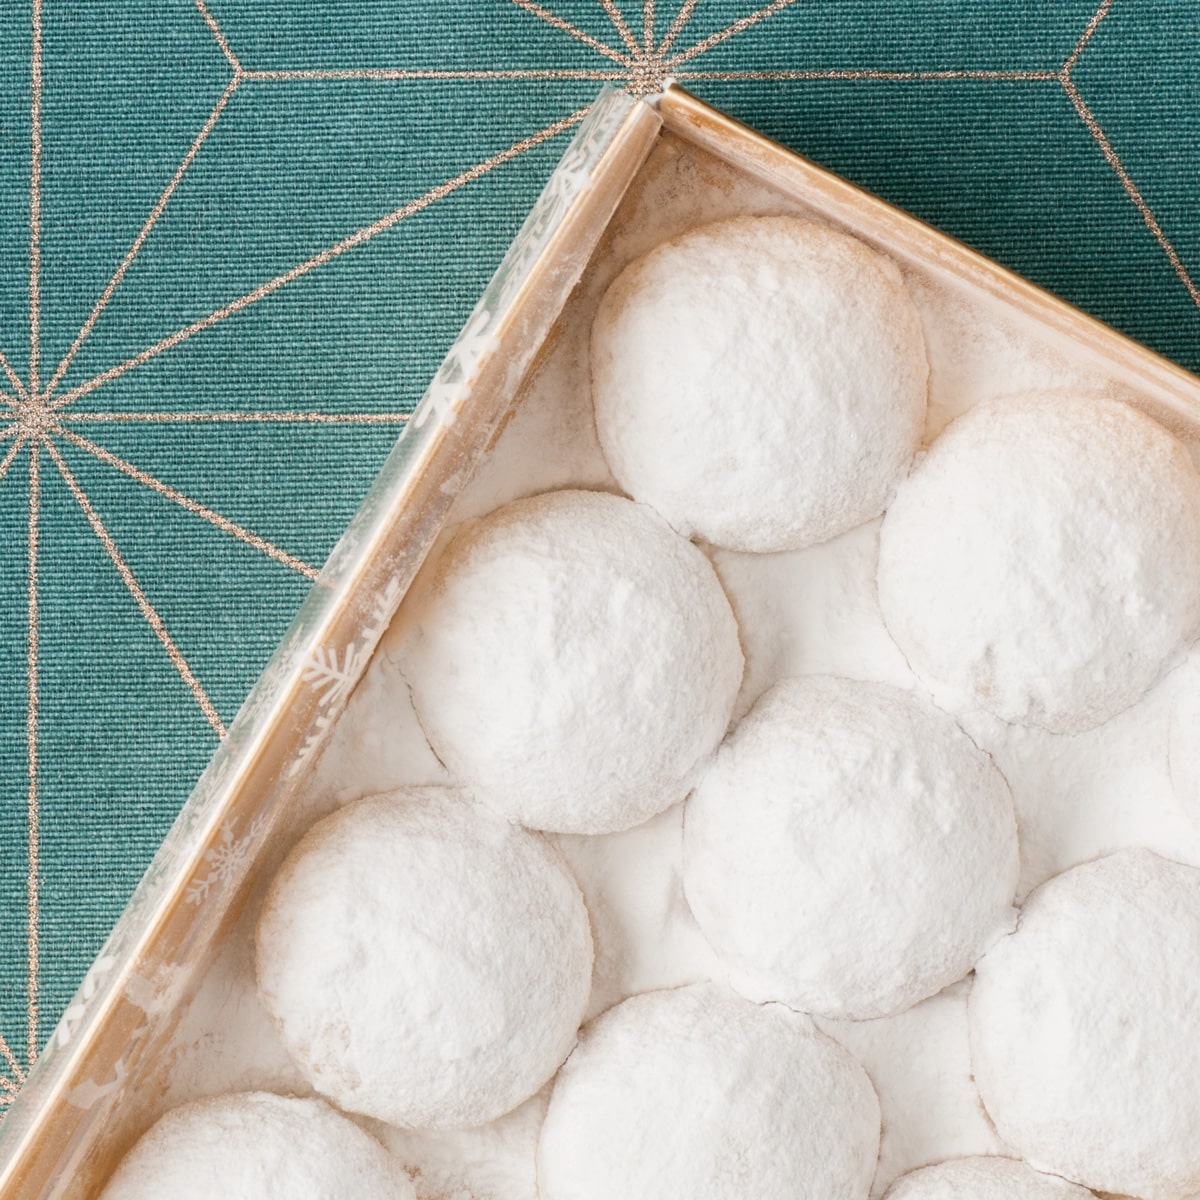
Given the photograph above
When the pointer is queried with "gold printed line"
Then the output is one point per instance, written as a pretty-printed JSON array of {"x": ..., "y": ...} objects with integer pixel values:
[
  {"x": 1088, "y": 34},
  {"x": 193, "y": 506},
  {"x": 221, "y": 40},
  {"x": 1131, "y": 188},
  {"x": 648, "y": 25},
  {"x": 238, "y": 418},
  {"x": 13, "y": 378},
  {"x": 723, "y": 35},
  {"x": 868, "y": 74},
  {"x": 355, "y": 239},
  {"x": 9, "y": 430},
  {"x": 417, "y": 73},
  {"x": 35, "y": 200},
  {"x": 14, "y": 1066},
  {"x": 33, "y": 875},
  {"x": 7, "y": 461},
  {"x": 544, "y": 14},
  {"x": 143, "y": 234},
  {"x": 621, "y": 26},
  {"x": 148, "y": 611},
  {"x": 682, "y": 17}
]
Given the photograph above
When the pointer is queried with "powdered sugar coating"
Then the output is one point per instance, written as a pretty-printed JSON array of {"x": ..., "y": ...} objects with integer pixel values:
[
  {"x": 575, "y": 662},
  {"x": 1083, "y": 1027},
  {"x": 760, "y": 381},
  {"x": 983, "y": 1179},
  {"x": 694, "y": 1093},
  {"x": 1183, "y": 755},
  {"x": 256, "y": 1146},
  {"x": 1043, "y": 562},
  {"x": 426, "y": 963},
  {"x": 850, "y": 851}
]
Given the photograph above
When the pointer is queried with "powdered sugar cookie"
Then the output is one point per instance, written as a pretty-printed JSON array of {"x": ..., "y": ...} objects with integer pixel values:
[
  {"x": 426, "y": 963},
  {"x": 983, "y": 1179},
  {"x": 694, "y": 1093},
  {"x": 850, "y": 851},
  {"x": 575, "y": 662},
  {"x": 760, "y": 381},
  {"x": 1083, "y": 1027},
  {"x": 256, "y": 1146},
  {"x": 1043, "y": 562}
]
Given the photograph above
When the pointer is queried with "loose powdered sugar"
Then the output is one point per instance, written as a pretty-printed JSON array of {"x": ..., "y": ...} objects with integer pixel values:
[
  {"x": 396, "y": 950},
  {"x": 850, "y": 851},
  {"x": 920, "y": 1063},
  {"x": 696, "y": 1093},
  {"x": 574, "y": 661},
  {"x": 761, "y": 382},
  {"x": 646, "y": 937},
  {"x": 1184, "y": 746},
  {"x": 495, "y": 1161},
  {"x": 257, "y": 1146}
]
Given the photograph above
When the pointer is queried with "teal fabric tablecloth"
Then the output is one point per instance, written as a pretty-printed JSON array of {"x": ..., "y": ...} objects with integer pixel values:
[{"x": 237, "y": 237}]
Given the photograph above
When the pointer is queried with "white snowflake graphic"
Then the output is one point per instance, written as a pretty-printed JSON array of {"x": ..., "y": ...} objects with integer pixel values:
[{"x": 227, "y": 860}]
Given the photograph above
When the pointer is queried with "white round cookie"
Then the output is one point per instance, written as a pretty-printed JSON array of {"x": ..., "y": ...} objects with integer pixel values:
[
  {"x": 1043, "y": 561},
  {"x": 983, "y": 1178},
  {"x": 1083, "y": 1027},
  {"x": 760, "y": 381},
  {"x": 850, "y": 851},
  {"x": 426, "y": 963},
  {"x": 257, "y": 1146},
  {"x": 694, "y": 1093},
  {"x": 575, "y": 662}
]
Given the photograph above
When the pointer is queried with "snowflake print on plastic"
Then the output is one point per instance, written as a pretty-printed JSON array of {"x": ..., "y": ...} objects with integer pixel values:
[{"x": 226, "y": 860}]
